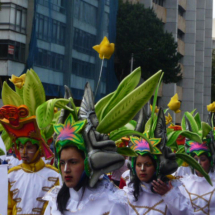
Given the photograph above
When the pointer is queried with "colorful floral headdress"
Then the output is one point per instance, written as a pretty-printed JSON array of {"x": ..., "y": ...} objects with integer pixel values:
[
  {"x": 17, "y": 116},
  {"x": 197, "y": 148},
  {"x": 69, "y": 134}
]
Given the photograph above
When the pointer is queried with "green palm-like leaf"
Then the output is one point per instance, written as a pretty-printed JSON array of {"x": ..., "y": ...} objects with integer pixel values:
[
  {"x": 126, "y": 151},
  {"x": 206, "y": 128},
  {"x": 7, "y": 140},
  {"x": 124, "y": 88},
  {"x": 20, "y": 92},
  {"x": 129, "y": 106},
  {"x": 10, "y": 97},
  {"x": 101, "y": 104},
  {"x": 183, "y": 123},
  {"x": 48, "y": 132},
  {"x": 33, "y": 92},
  {"x": 192, "y": 122},
  {"x": 45, "y": 112},
  {"x": 192, "y": 162},
  {"x": 148, "y": 123},
  {"x": 198, "y": 121},
  {"x": 190, "y": 135}
]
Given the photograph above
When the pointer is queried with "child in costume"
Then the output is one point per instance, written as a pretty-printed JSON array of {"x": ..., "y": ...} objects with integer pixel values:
[
  {"x": 29, "y": 181},
  {"x": 195, "y": 187},
  {"x": 148, "y": 192}
]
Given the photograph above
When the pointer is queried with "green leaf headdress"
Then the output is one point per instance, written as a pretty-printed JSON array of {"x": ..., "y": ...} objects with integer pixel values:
[{"x": 69, "y": 134}]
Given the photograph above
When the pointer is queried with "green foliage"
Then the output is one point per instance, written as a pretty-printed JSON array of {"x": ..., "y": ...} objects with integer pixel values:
[{"x": 139, "y": 31}]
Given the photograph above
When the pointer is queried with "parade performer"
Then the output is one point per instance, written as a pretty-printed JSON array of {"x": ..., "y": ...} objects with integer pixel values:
[
  {"x": 149, "y": 191},
  {"x": 86, "y": 149},
  {"x": 195, "y": 187},
  {"x": 29, "y": 181}
]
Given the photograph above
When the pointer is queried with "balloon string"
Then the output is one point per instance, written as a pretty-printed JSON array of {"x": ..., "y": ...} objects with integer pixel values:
[{"x": 99, "y": 77}]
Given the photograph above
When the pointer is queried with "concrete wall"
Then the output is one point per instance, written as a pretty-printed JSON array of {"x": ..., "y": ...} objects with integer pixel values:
[
  {"x": 208, "y": 56},
  {"x": 199, "y": 61},
  {"x": 188, "y": 61}
]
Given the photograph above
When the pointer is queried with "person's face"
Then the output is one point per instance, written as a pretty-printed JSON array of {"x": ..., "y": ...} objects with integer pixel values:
[
  {"x": 204, "y": 162},
  {"x": 28, "y": 151},
  {"x": 144, "y": 168},
  {"x": 71, "y": 166}
]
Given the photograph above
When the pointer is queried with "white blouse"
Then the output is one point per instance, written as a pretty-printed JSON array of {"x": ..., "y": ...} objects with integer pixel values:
[
  {"x": 172, "y": 203},
  {"x": 104, "y": 199},
  {"x": 200, "y": 193}
]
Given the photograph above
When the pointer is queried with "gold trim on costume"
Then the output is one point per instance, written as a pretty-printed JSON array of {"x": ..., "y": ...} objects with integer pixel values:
[
  {"x": 18, "y": 209},
  {"x": 15, "y": 191},
  {"x": 40, "y": 199},
  {"x": 17, "y": 199},
  {"x": 149, "y": 208},
  {"x": 54, "y": 179},
  {"x": 196, "y": 196},
  {"x": 46, "y": 189},
  {"x": 39, "y": 210}
]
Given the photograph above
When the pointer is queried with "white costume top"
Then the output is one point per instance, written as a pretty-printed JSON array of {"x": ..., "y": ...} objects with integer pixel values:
[
  {"x": 149, "y": 203},
  {"x": 28, "y": 184},
  {"x": 104, "y": 199},
  {"x": 183, "y": 171},
  {"x": 200, "y": 193}
]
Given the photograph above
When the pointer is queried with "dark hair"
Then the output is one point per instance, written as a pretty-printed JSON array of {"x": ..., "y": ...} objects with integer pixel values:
[
  {"x": 64, "y": 195},
  {"x": 136, "y": 181}
]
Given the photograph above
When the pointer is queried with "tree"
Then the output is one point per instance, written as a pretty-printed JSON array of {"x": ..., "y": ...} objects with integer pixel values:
[
  {"x": 140, "y": 32},
  {"x": 213, "y": 77}
]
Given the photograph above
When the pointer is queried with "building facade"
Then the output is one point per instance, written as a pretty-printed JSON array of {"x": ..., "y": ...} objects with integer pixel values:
[
  {"x": 55, "y": 37},
  {"x": 190, "y": 22}
]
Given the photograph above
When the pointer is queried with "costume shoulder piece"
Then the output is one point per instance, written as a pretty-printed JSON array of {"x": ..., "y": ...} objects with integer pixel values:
[{"x": 15, "y": 168}]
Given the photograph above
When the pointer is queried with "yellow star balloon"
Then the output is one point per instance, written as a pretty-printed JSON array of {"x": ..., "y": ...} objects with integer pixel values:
[
  {"x": 174, "y": 104},
  {"x": 105, "y": 49},
  {"x": 211, "y": 107}
]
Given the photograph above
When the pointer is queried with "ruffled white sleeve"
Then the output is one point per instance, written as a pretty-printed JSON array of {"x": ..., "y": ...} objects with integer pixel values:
[
  {"x": 177, "y": 203},
  {"x": 51, "y": 197},
  {"x": 120, "y": 205}
]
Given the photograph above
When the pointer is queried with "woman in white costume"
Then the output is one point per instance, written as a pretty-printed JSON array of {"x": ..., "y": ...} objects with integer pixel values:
[
  {"x": 147, "y": 192},
  {"x": 85, "y": 190},
  {"x": 196, "y": 188}
]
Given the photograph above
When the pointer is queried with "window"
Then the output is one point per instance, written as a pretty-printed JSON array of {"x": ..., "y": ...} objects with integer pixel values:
[
  {"x": 180, "y": 34},
  {"x": 106, "y": 24},
  {"x": 83, "y": 69},
  {"x": 50, "y": 30},
  {"x": 49, "y": 60},
  {"x": 83, "y": 41},
  {"x": 181, "y": 10},
  {"x": 13, "y": 17},
  {"x": 56, "y": 5},
  {"x": 85, "y": 12},
  {"x": 159, "y": 2},
  {"x": 12, "y": 50}
]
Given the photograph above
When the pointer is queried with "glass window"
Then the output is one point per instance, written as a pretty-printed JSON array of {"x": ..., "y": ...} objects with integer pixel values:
[
  {"x": 12, "y": 50},
  {"x": 83, "y": 41},
  {"x": 13, "y": 17}
]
